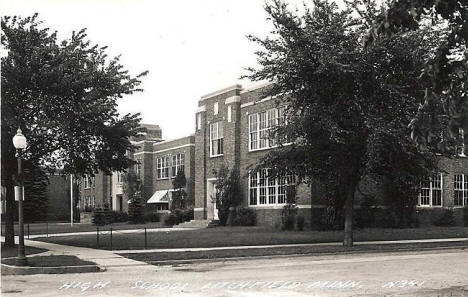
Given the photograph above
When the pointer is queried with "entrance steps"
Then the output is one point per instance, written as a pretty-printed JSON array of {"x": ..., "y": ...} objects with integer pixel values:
[{"x": 195, "y": 224}]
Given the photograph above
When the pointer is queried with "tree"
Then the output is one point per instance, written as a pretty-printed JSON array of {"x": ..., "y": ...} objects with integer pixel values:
[
  {"x": 347, "y": 106},
  {"x": 228, "y": 193},
  {"x": 63, "y": 95},
  {"x": 179, "y": 195},
  {"x": 446, "y": 71},
  {"x": 132, "y": 190}
]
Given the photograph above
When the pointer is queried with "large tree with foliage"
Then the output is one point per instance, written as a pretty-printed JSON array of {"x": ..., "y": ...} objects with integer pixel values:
[
  {"x": 63, "y": 95},
  {"x": 348, "y": 106},
  {"x": 446, "y": 99}
]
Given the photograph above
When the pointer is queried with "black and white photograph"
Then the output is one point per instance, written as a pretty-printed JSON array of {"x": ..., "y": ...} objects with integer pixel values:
[{"x": 234, "y": 148}]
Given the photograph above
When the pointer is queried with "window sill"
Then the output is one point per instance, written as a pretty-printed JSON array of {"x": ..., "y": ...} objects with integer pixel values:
[
  {"x": 215, "y": 156},
  {"x": 268, "y": 206},
  {"x": 166, "y": 178},
  {"x": 429, "y": 206},
  {"x": 268, "y": 148}
]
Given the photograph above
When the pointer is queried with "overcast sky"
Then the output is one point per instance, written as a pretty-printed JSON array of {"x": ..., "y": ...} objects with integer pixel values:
[{"x": 189, "y": 47}]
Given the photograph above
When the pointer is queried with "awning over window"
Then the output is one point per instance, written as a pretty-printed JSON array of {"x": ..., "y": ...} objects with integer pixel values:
[{"x": 161, "y": 196}]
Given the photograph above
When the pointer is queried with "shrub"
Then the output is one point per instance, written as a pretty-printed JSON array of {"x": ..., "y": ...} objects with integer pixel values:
[
  {"x": 444, "y": 218},
  {"x": 188, "y": 215},
  {"x": 245, "y": 217},
  {"x": 171, "y": 220},
  {"x": 153, "y": 217},
  {"x": 99, "y": 217},
  {"x": 118, "y": 216},
  {"x": 300, "y": 222},
  {"x": 465, "y": 216},
  {"x": 288, "y": 216}
]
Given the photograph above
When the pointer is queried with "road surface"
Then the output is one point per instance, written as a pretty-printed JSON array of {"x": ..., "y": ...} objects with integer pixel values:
[{"x": 430, "y": 274}]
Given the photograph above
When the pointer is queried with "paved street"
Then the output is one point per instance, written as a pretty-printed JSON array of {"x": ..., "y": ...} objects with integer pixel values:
[{"x": 429, "y": 274}]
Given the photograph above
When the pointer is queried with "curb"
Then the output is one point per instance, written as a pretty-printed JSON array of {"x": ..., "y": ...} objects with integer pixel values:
[{"x": 20, "y": 270}]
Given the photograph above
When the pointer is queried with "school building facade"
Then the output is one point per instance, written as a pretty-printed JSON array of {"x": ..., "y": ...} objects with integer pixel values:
[{"x": 231, "y": 128}]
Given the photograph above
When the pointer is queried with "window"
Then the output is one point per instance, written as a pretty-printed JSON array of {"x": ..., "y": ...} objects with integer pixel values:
[
  {"x": 178, "y": 163},
  {"x": 88, "y": 181},
  {"x": 198, "y": 121},
  {"x": 229, "y": 111},
  {"x": 119, "y": 178},
  {"x": 431, "y": 191},
  {"x": 89, "y": 203},
  {"x": 461, "y": 138},
  {"x": 138, "y": 167},
  {"x": 216, "y": 139},
  {"x": 260, "y": 128},
  {"x": 460, "y": 190},
  {"x": 215, "y": 108},
  {"x": 264, "y": 190},
  {"x": 162, "y": 167}
]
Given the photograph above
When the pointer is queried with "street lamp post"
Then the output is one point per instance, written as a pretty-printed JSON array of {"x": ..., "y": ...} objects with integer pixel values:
[{"x": 19, "y": 141}]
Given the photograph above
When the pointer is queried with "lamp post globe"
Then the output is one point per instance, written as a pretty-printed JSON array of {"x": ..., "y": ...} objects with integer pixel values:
[{"x": 19, "y": 142}]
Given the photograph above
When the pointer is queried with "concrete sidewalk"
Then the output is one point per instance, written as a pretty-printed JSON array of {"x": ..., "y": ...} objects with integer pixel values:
[
  {"x": 104, "y": 232},
  {"x": 358, "y": 243},
  {"x": 105, "y": 259}
]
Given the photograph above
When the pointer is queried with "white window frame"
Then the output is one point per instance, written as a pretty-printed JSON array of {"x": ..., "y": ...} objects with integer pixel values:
[
  {"x": 215, "y": 108},
  {"x": 460, "y": 187},
  {"x": 260, "y": 125},
  {"x": 88, "y": 182},
  {"x": 178, "y": 163},
  {"x": 217, "y": 137},
  {"x": 431, "y": 190},
  {"x": 138, "y": 167},
  {"x": 199, "y": 121},
  {"x": 162, "y": 167},
  {"x": 119, "y": 178},
  {"x": 268, "y": 191},
  {"x": 229, "y": 113}
]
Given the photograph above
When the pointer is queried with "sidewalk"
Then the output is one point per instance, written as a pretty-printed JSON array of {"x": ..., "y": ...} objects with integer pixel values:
[
  {"x": 359, "y": 243},
  {"x": 105, "y": 259},
  {"x": 106, "y": 231}
]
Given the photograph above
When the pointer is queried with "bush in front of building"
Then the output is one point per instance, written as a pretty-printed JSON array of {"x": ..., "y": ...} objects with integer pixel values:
[
  {"x": 465, "y": 216},
  {"x": 289, "y": 212},
  {"x": 228, "y": 193},
  {"x": 245, "y": 217},
  {"x": 189, "y": 214},
  {"x": 100, "y": 217},
  {"x": 443, "y": 218},
  {"x": 171, "y": 220},
  {"x": 118, "y": 216},
  {"x": 153, "y": 217},
  {"x": 300, "y": 222}
]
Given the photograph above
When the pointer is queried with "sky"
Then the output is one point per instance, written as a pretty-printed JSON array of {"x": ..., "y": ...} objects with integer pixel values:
[{"x": 189, "y": 47}]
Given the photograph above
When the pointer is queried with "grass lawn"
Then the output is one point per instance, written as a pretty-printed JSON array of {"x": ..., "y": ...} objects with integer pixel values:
[
  {"x": 51, "y": 228},
  {"x": 52, "y": 261},
  {"x": 13, "y": 251},
  {"x": 242, "y": 236},
  {"x": 154, "y": 258}
]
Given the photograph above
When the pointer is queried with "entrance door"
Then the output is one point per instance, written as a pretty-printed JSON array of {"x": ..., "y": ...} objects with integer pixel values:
[
  {"x": 212, "y": 209},
  {"x": 120, "y": 203}
]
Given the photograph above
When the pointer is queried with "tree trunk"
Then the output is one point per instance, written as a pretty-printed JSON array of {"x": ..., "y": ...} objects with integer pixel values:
[
  {"x": 9, "y": 214},
  {"x": 348, "y": 228}
]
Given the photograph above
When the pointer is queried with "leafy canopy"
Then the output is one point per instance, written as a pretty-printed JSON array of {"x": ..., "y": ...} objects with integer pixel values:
[{"x": 63, "y": 95}]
